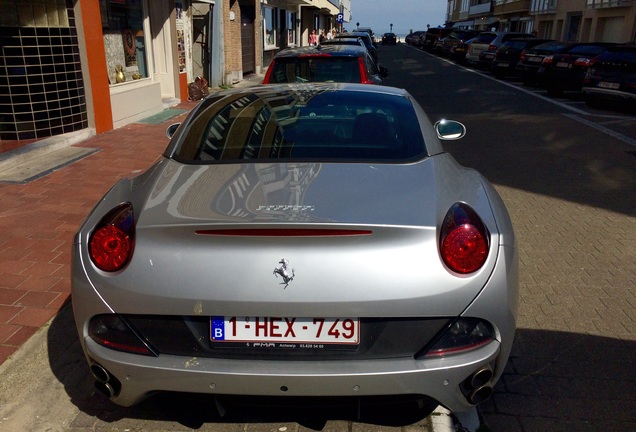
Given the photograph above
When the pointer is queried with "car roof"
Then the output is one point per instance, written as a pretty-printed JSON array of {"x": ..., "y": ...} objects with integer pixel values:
[{"x": 325, "y": 50}]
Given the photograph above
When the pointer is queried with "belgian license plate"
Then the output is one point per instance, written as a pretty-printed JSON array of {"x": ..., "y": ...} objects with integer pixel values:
[
  {"x": 534, "y": 59},
  {"x": 562, "y": 64},
  {"x": 609, "y": 85},
  {"x": 284, "y": 332},
  {"x": 503, "y": 65}
]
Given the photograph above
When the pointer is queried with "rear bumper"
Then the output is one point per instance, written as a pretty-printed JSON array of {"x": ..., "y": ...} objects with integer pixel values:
[
  {"x": 608, "y": 94},
  {"x": 441, "y": 379}
]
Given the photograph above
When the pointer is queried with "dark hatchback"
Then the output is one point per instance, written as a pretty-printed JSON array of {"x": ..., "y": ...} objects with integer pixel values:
[
  {"x": 565, "y": 71},
  {"x": 508, "y": 55},
  {"x": 531, "y": 58},
  {"x": 611, "y": 77},
  {"x": 325, "y": 63}
]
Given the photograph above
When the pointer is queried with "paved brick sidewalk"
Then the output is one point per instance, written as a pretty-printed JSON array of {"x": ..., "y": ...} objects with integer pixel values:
[{"x": 38, "y": 220}]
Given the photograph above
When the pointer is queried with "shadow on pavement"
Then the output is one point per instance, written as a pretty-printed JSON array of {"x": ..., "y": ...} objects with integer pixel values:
[
  {"x": 562, "y": 381},
  {"x": 69, "y": 366}
]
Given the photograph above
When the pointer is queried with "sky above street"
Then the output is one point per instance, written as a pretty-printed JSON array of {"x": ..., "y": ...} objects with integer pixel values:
[{"x": 403, "y": 14}]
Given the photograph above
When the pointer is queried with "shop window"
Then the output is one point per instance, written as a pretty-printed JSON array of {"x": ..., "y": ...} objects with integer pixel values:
[
  {"x": 124, "y": 42},
  {"x": 270, "y": 26}
]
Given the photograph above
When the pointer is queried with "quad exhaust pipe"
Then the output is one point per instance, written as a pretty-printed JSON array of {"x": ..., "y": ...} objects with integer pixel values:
[
  {"x": 477, "y": 387},
  {"x": 105, "y": 383}
]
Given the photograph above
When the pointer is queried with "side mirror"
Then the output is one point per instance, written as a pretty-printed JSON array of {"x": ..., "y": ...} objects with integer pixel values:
[
  {"x": 450, "y": 130},
  {"x": 384, "y": 72},
  {"x": 172, "y": 129}
]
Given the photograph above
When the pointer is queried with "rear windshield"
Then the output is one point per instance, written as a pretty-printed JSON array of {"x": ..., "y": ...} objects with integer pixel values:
[
  {"x": 485, "y": 38},
  {"x": 517, "y": 44},
  {"x": 302, "y": 125},
  {"x": 587, "y": 50},
  {"x": 315, "y": 69},
  {"x": 548, "y": 47},
  {"x": 625, "y": 55}
]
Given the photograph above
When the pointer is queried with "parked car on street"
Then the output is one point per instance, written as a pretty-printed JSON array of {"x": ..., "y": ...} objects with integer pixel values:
[
  {"x": 482, "y": 51},
  {"x": 366, "y": 38},
  {"x": 565, "y": 71},
  {"x": 611, "y": 77},
  {"x": 507, "y": 56},
  {"x": 456, "y": 37},
  {"x": 531, "y": 58},
  {"x": 389, "y": 39},
  {"x": 428, "y": 38},
  {"x": 355, "y": 41},
  {"x": 413, "y": 38},
  {"x": 325, "y": 63},
  {"x": 458, "y": 51},
  {"x": 300, "y": 240}
]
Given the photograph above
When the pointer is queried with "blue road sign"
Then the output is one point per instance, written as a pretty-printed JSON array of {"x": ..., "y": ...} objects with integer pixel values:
[{"x": 340, "y": 18}]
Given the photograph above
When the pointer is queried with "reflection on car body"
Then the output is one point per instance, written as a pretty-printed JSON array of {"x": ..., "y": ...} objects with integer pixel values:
[{"x": 300, "y": 240}]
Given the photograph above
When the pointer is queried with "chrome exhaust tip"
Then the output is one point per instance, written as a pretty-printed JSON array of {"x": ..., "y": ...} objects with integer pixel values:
[
  {"x": 99, "y": 373},
  {"x": 480, "y": 394}
]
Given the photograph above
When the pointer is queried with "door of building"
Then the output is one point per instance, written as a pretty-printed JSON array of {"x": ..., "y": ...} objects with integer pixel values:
[
  {"x": 202, "y": 37},
  {"x": 248, "y": 15}
]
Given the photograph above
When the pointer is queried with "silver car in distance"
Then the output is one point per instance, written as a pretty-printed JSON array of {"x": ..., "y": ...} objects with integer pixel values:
[{"x": 300, "y": 240}]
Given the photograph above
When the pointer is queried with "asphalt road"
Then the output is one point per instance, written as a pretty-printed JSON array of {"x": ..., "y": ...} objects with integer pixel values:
[{"x": 568, "y": 177}]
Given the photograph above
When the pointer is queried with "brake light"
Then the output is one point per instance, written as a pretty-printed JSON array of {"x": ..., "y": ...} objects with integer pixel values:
[
  {"x": 464, "y": 240},
  {"x": 492, "y": 47},
  {"x": 364, "y": 77},
  {"x": 548, "y": 59},
  {"x": 582, "y": 62},
  {"x": 268, "y": 74},
  {"x": 111, "y": 244},
  {"x": 522, "y": 56}
]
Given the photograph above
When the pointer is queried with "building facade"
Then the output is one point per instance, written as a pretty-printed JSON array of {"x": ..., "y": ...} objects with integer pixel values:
[
  {"x": 68, "y": 65},
  {"x": 566, "y": 20}
]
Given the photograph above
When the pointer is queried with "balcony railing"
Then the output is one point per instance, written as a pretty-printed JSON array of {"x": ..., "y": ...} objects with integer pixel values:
[
  {"x": 599, "y": 4},
  {"x": 544, "y": 6}
]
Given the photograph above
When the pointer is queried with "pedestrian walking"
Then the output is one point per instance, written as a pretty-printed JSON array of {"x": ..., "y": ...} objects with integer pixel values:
[{"x": 312, "y": 38}]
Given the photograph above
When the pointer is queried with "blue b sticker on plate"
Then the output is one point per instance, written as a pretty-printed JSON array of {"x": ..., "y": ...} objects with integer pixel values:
[{"x": 218, "y": 328}]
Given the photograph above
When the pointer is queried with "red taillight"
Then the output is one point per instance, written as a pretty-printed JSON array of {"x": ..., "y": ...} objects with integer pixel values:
[
  {"x": 582, "y": 62},
  {"x": 492, "y": 47},
  {"x": 268, "y": 74},
  {"x": 111, "y": 244},
  {"x": 547, "y": 59},
  {"x": 464, "y": 240},
  {"x": 364, "y": 78}
]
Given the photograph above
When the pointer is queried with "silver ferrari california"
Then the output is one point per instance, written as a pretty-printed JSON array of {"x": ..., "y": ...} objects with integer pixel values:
[{"x": 300, "y": 240}]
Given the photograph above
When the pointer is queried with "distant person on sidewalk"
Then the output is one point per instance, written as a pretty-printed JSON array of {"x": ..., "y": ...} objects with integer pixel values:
[{"x": 312, "y": 38}]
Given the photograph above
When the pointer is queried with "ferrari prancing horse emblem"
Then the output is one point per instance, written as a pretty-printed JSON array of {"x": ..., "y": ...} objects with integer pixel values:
[{"x": 284, "y": 271}]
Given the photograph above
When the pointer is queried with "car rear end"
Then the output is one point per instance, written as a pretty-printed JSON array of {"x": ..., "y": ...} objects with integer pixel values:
[
  {"x": 480, "y": 44},
  {"x": 487, "y": 56},
  {"x": 331, "y": 62},
  {"x": 565, "y": 71},
  {"x": 611, "y": 77},
  {"x": 530, "y": 59},
  {"x": 388, "y": 270}
]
